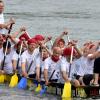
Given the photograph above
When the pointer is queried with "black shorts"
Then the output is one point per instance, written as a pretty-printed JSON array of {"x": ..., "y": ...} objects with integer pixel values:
[
  {"x": 32, "y": 76},
  {"x": 87, "y": 78},
  {"x": 53, "y": 80},
  {"x": 97, "y": 65}
]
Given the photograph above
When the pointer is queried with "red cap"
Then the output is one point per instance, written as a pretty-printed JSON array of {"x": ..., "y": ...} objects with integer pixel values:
[
  {"x": 32, "y": 40},
  {"x": 61, "y": 40},
  {"x": 19, "y": 42},
  {"x": 67, "y": 52},
  {"x": 39, "y": 37},
  {"x": 24, "y": 36}
]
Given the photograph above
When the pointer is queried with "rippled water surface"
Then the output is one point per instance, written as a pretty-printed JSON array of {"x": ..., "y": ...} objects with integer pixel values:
[{"x": 81, "y": 17}]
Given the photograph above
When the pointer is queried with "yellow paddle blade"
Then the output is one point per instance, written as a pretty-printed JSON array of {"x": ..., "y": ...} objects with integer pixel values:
[
  {"x": 38, "y": 88},
  {"x": 29, "y": 83},
  {"x": 14, "y": 80},
  {"x": 81, "y": 92},
  {"x": 66, "y": 91},
  {"x": 2, "y": 78}
]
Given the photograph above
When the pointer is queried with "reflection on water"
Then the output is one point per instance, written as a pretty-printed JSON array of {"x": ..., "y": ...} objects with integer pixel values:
[
  {"x": 81, "y": 17},
  {"x": 7, "y": 93}
]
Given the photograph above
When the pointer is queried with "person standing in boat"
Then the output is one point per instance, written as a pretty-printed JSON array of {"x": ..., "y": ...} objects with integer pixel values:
[{"x": 4, "y": 25}]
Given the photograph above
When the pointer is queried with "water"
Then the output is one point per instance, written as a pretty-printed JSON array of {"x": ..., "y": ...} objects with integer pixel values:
[
  {"x": 7, "y": 93},
  {"x": 51, "y": 17}
]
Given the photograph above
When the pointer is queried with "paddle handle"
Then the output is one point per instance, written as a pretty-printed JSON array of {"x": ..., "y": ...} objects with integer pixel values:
[
  {"x": 18, "y": 63},
  {"x": 30, "y": 66},
  {"x": 6, "y": 47},
  {"x": 28, "y": 34},
  {"x": 19, "y": 55},
  {"x": 51, "y": 43},
  {"x": 52, "y": 75},
  {"x": 71, "y": 57},
  {"x": 3, "y": 62},
  {"x": 68, "y": 38},
  {"x": 10, "y": 28}
]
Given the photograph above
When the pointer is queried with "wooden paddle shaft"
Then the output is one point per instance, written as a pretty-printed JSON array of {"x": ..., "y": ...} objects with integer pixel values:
[
  {"x": 71, "y": 57},
  {"x": 51, "y": 75},
  {"x": 6, "y": 47},
  {"x": 19, "y": 55}
]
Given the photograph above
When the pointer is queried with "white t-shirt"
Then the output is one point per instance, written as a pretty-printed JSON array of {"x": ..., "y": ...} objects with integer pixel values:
[
  {"x": 51, "y": 66},
  {"x": 15, "y": 57},
  {"x": 84, "y": 66},
  {"x": 98, "y": 49},
  {"x": 27, "y": 58},
  {"x": 40, "y": 64},
  {"x": 89, "y": 66},
  {"x": 2, "y": 31},
  {"x": 8, "y": 62},
  {"x": 65, "y": 65},
  {"x": 1, "y": 49}
]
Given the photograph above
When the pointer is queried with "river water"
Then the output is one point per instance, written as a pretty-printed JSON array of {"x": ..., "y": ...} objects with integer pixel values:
[
  {"x": 7, "y": 93},
  {"x": 51, "y": 17}
]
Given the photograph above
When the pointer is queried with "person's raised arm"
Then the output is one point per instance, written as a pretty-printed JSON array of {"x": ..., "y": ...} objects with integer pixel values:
[
  {"x": 59, "y": 37},
  {"x": 22, "y": 29}
]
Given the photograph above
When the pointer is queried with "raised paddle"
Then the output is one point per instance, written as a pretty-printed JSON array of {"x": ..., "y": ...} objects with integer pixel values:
[
  {"x": 14, "y": 78},
  {"x": 67, "y": 86},
  {"x": 2, "y": 76}
]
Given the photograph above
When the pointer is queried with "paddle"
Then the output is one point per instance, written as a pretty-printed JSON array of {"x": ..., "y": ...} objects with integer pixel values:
[
  {"x": 68, "y": 38},
  {"x": 67, "y": 86},
  {"x": 23, "y": 82},
  {"x": 14, "y": 78},
  {"x": 45, "y": 87},
  {"x": 2, "y": 76},
  {"x": 51, "y": 75},
  {"x": 38, "y": 88}
]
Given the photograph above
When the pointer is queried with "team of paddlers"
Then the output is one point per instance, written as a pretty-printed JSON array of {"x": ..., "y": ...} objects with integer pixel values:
[
  {"x": 60, "y": 61},
  {"x": 46, "y": 60}
]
